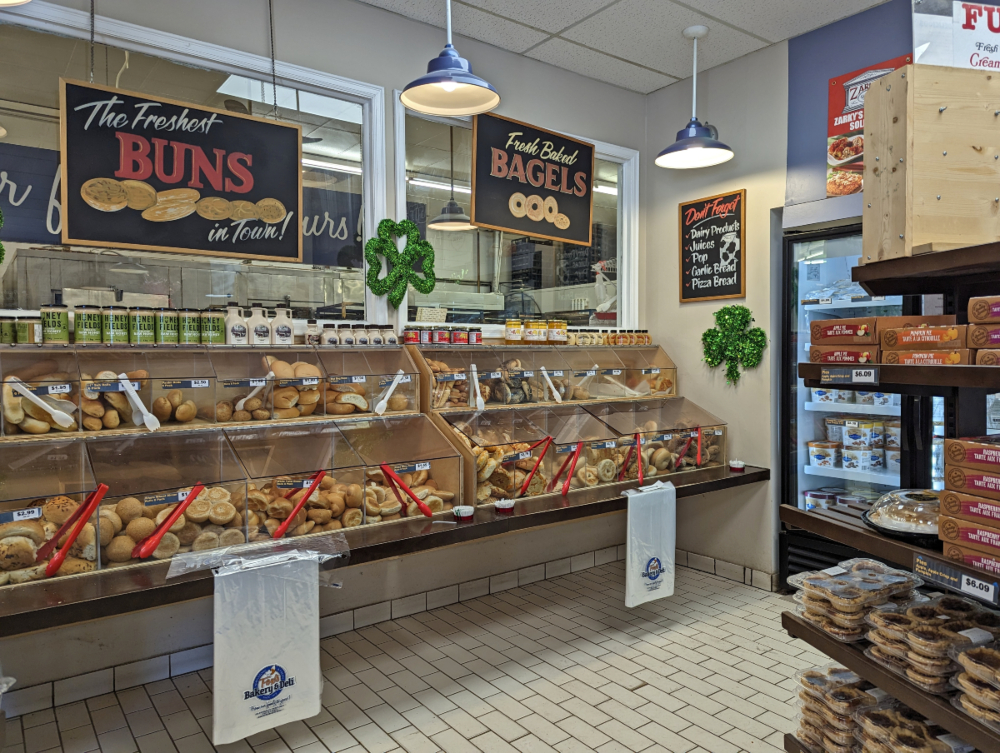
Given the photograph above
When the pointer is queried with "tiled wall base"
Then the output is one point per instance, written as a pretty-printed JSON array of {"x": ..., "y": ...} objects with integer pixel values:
[
  {"x": 755, "y": 578},
  {"x": 72, "y": 689}
]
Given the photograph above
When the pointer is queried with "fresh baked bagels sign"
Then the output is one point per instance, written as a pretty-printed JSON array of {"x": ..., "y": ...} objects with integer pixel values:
[
  {"x": 531, "y": 181},
  {"x": 151, "y": 173}
]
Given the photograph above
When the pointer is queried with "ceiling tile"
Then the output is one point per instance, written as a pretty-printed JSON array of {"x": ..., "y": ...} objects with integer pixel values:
[
  {"x": 649, "y": 32},
  {"x": 467, "y": 21},
  {"x": 586, "y": 62},
  {"x": 549, "y": 15},
  {"x": 773, "y": 20}
]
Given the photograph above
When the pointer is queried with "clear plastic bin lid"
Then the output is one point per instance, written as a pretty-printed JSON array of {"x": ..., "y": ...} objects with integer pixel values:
[
  {"x": 180, "y": 363},
  {"x": 519, "y": 360},
  {"x": 40, "y": 366},
  {"x": 907, "y": 510},
  {"x": 44, "y": 469},
  {"x": 495, "y": 428},
  {"x": 588, "y": 359},
  {"x": 98, "y": 363},
  {"x": 292, "y": 450},
  {"x": 149, "y": 463},
  {"x": 380, "y": 362},
  {"x": 444, "y": 360},
  {"x": 663, "y": 415},
  {"x": 396, "y": 439},
  {"x": 645, "y": 357},
  {"x": 570, "y": 425}
]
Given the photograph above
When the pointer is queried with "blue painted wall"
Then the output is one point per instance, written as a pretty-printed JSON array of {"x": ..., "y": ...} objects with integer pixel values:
[{"x": 881, "y": 33}]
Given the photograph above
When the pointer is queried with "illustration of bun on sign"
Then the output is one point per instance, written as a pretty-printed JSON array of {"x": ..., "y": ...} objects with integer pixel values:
[
  {"x": 143, "y": 172},
  {"x": 531, "y": 181}
]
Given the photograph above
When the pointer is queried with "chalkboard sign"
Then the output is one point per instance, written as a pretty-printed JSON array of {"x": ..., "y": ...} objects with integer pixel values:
[
  {"x": 150, "y": 173},
  {"x": 531, "y": 181},
  {"x": 712, "y": 246}
]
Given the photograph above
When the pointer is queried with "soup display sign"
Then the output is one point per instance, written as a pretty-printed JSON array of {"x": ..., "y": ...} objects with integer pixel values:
[
  {"x": 150, "y": 173},
  {"x": 531, "y": 181}
]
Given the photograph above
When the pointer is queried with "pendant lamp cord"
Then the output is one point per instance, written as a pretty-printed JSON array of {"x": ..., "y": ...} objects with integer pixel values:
[
  {"x": 274, "y": 72},
  {"x": 694, "y": 83},
  {"x": 448, "y": 20},
  {"x": 92, "y": 18},
  {"x": 451, "y": 149}
]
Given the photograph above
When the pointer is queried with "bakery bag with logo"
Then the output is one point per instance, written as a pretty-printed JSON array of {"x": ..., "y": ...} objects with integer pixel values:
[
  {"x": 649, "y": 546},
  {"x": 267, "y": 669}
]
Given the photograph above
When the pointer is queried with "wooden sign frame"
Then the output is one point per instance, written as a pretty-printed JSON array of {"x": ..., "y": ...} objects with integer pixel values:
[
  {"x": 64, "y": 183},
  {"x": 742, "y": 256},
  {"x": 593, "y": 167}
]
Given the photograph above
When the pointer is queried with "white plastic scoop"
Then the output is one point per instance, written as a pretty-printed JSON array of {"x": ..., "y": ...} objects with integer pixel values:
[
  {"x": 255, "y": 390},
  {"x": 548, "y": 380},
  {"x": 63, "y": 420},
  {"x": 480, "y": 403},
  {"x": 140, "y": 415},
  {"x": 384, "y": 402}
]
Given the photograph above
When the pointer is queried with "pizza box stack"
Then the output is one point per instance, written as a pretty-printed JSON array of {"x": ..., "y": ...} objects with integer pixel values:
[
  {"x": 868, "y": 340},
  {"x": 984, "y": 330},
  {"x": 969, "y": 523}
]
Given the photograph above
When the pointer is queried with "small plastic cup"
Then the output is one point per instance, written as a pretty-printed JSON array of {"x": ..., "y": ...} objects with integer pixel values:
[
  {"x": 463, "y": 513},
  {"x": 737, "y": 466},
  {"x": 504, "y": 506}
]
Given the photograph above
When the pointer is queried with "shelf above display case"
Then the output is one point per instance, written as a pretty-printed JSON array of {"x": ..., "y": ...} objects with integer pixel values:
[
  {"x": 50, "y": 603},
  {"x": 836, "y": 305},
  {"x": 912, "y": 380},
  {"x": 883, "y": 478},
  {"x": 851, "y": 655},
  {"x": 939, "y": 272}
]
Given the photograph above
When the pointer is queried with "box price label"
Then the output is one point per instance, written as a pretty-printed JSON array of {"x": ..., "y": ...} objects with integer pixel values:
[
  {"x": 849, "y": 375},
  {"x": 556, "y": 373},
  {"x": 114, "y": 386},
  {"x": 650, "y": 371},
  {"x": 606, "y": 445},
  {"x": 191, "y": 384},
  {"x": 592, "y": 372},
  {"x": 612, "y": 372},
  {"x": 412, "y": 467},
  {"x": 383, "y": 381},
  {"x": 944, "y": 574},
  {"x": 30, "y": 513}
]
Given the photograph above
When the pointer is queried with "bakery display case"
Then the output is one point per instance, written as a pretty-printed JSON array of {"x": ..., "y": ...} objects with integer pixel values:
[
  {"x": 183, "y": 386},
  {"x": 42, "y": 484},
  {"x": 532, "y": 375},
  {"x": 298, "y": 382},
  {"x": 511, "y": 454},
  {"x": 149, "y": 477},
  {"x": 357, "y": 381},
  {"x": 649, "y": 372},
  {"x": 449, "y": 374},
  {"x": 243, "y": 386},
  {"x": 115, "y": 388},
  {"x": 676, "y": 434},
  {"x": 283, "y": 464},
  {"x": 586, "y": 451},
  {"x": 406, "y": 458},
  {"x": 41, "y": 391},
  {"x": 592, "y": 374}
]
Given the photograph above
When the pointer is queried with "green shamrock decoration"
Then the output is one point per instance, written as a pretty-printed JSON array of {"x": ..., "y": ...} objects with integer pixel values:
[
  {"x": 731, "y": 341},
  {"x": 401, "y": 273}
]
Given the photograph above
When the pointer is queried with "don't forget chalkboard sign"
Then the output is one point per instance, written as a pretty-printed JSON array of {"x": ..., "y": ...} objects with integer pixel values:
[{"x": 712, "y": 247}]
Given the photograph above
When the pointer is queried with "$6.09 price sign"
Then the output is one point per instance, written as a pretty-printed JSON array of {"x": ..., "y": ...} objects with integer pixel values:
[{"x": 979, "y": 588}]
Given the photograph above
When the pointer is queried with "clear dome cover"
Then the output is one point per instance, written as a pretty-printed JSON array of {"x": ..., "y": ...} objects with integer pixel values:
[{"x": 907, "y": 511}]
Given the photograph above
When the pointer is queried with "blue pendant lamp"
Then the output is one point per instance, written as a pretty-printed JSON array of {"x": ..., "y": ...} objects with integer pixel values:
[
  {"x": 452, "y": 216},
  {"x": 697, "y": 144},
  {"x": 449, "y": 87}
]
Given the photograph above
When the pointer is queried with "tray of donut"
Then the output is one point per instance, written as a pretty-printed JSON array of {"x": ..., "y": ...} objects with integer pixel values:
[{"x": 839, "y": 712}]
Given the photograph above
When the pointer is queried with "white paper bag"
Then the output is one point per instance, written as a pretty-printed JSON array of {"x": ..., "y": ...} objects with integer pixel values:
[
  {"x": 650, "y": 542},
  {"x": 267, "y": 669}
]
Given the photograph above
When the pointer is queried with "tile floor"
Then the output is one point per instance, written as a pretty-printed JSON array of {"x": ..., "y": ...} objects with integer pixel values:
[{"x": 558, "y": 665}]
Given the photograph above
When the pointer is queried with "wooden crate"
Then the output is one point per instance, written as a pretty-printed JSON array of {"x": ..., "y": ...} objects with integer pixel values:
[{"x": 932, "y": 161}]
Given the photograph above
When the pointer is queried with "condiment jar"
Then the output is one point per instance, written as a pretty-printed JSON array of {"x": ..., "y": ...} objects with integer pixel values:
[
  {"x": 282, "y": 331},
  {"x": 55, "y": 323},
  {"x": 330, "y": 335},
  {"x": 141, "y": 329},
  {"x": 213, "y": 327},
  {"x": 476, "y": 336},
  {"x": 314, "y": 333},
  {"x": 346, "y": 334},
  {"x": 87, "y": 324},
  {"x": 8, "y": 330},
  {"x": 258, "y": 326},
  {"x": 536, "y": 331},
  {"x": 411, "y": 335},
  {"x": 441, "y": 335},
  {"x": 557, "y": 331},
  {"x": 114, "y": 324},
  {"x": 426, "y": 335},
  {"x": 165, "y": 326},
  {"x": 375, "y": 334},
  {"x": 189, "y": 326},
  {"x": 360, "y": 334},
  {"x": 513, "y": 332},
  {"x": 29, "y": 330},
  {"x": 460, "y": 336},
  {"x": 389, "y": 336}
]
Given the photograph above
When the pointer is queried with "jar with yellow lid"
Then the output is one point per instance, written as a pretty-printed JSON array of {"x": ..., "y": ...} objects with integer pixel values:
[
  {"x": 558, "y": 331},
  {"x": 536, "y": 331},
  {"x": 513, "y": 332}
]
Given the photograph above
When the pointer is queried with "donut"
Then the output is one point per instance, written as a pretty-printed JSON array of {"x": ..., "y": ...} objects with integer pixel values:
[
  {"x": 551, "y": 208},
  {"x": 534, "y": 208},
  {"x": 516, "y": 204}
]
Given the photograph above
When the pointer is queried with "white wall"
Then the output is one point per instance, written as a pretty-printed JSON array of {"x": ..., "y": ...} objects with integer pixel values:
[{"x": 747, "y": 100}]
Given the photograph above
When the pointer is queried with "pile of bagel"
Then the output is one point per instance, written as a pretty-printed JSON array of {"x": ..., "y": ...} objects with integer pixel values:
[
  {"x": 332, "y": 506},
  {"x": 21, "y": 539},
  {"x": 496, "y": 479},
  {"x": 382, "y": 505},
  {"x": 277, "y": 400}
]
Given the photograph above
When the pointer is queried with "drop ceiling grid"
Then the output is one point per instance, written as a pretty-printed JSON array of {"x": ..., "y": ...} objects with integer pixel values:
[{"x": 634, "y": 44}]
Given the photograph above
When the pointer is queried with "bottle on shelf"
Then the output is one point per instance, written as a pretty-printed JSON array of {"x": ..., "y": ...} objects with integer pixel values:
[
  {"x": 236, "y": 325},
  {"x": 282, "y": 331},
  {"x": 259, "y": 328},
  {"x": 330, "y": 335},
  {"x": 314, "y": 333}
]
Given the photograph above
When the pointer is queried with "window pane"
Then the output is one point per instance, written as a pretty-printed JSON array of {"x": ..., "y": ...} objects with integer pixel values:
[
  {"x": 486, "y": 275},
  {"x": 329, "y": 283}
]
